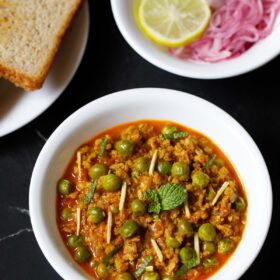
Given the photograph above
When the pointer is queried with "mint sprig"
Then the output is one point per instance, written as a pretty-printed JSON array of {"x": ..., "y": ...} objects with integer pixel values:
[{"x": 167, "y": 197}]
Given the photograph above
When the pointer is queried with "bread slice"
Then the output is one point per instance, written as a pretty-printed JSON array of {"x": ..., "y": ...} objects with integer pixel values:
[{"x": 30, "y": 35}]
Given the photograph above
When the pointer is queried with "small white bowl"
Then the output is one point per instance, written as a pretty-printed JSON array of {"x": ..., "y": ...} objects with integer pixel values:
[
  {"x": 258, "y": 55},
  {"x": 140, "y": 104}
]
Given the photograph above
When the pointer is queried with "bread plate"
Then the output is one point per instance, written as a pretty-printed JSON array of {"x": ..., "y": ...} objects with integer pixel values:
[{"x": 17, "y": 107}]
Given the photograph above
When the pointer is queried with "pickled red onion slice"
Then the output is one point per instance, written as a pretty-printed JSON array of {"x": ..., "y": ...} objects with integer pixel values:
[{"x": 233, "y": 29}]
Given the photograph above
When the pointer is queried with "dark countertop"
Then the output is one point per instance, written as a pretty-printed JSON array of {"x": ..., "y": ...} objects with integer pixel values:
[{"x": 111, "y": 65}]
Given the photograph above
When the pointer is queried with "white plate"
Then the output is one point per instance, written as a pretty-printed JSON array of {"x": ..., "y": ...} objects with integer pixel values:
[{"x": 17, "y": 107}]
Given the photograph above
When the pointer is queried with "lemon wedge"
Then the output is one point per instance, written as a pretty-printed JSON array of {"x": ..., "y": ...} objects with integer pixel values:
[{"x": 173, "y": 23}]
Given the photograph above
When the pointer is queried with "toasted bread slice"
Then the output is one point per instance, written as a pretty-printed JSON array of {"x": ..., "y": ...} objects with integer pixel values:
[{"x": 30, "y": 35}]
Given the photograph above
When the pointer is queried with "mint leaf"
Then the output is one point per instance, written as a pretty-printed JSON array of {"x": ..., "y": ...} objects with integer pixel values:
[
  {"x": 185, "y": 267},
  {"x": 90, "y": 192},
  {"x": 209, "y": 163},
  {"x": 154, "y": 208},
  {"x": 175, "y": 135},
  {"x": 102, "y": 147},
  {"x": 110, "y": 255},
  {"x": 142, "y": 266},
  {"x": 153, "y": 197},
  {"x": 167, "y": 197},
  {"x": 171, "y": 195},
  {"x": 192, "y": 263}
]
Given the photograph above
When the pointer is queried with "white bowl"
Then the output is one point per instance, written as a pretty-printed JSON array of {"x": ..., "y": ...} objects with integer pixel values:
[
  {"x": 258, "y": 55},
  {"x": 138, "y": 104}
]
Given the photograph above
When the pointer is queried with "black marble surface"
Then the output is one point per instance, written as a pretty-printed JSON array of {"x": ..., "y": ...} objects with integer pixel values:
[{"x": 110, "y": 65}]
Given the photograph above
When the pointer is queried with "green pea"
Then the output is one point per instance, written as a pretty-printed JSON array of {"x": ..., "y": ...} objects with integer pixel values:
[
  {"x": 210, "y": 262},
  {"x": 138, "y": 207},
  {"x": 125, "y": 147},
  {"x": 200, "y": 179},
  {"x": 207, "y": 232},
  {"x": 111, "y": 183},
  {"x": 185, "y": 228},
  {"x": 172, "y": 242},
  {"x": 95, "y": 214},
  {"x": 180, "y": 170},
  {"x": 66, "y": 214},
  {"x": 225, "y": 245},
  {"x": 150, "y": 275},
  {"x": 82, "y": 254},
  {"x": 169, "y": 129},
  {"x": 125, "y": 276},
  {"x": 102, "y": 271},
  {"x": 65, "y": 187},
  {"x": 240, "y": 204},
  {"x": 209, "y": 247},
  {"x": 141, "y": 164},
  {"x": 97, "y": 170},
  {"x": 164, "y": 167},
  {"x": 186, "y": 254},
  {"x": 128, "y": 229},
  {"x": 75, "y": 240}
]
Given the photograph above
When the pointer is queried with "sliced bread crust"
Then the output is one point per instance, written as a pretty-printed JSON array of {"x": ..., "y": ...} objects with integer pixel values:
[{"x": 33, "y": 82}]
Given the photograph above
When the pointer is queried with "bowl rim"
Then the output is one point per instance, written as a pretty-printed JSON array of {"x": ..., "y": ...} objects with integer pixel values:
[
  {"x": 208, "y": 71},
  {"x": 52, "y": 144}
]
